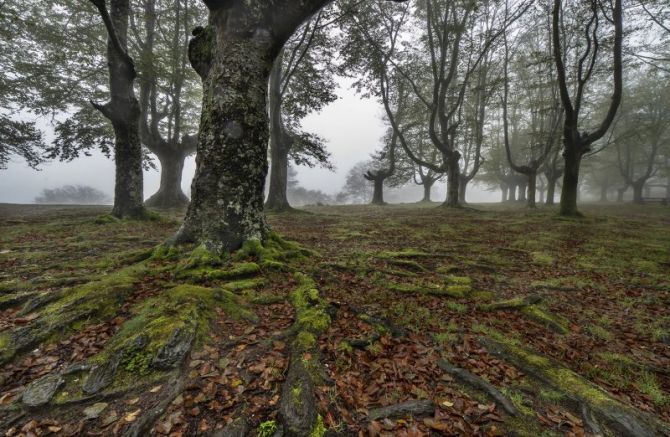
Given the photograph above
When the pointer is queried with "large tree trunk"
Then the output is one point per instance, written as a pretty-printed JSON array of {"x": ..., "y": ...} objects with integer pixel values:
[
  {"x": 226, "y": 206},
  {"x": 570, "y": 188},
  {"x": 453, "y": 179},
  {"x": 170, "y": 194},
  {"x": 378, "y": 193},
  {"x": 532, "y": 182},
  {"x": 279, "y": 146},
  {"x": 123, "y": 110}
]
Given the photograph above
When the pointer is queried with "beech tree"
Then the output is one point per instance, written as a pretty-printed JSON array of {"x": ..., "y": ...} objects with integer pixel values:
[
  {"x": 589, "y": 20},
  {"x": 301, "y": 82},
  {"x": 234, "y": 55}
]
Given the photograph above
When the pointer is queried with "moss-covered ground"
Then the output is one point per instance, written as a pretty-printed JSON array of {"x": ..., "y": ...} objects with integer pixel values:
[{"x": 379, "y": 293}]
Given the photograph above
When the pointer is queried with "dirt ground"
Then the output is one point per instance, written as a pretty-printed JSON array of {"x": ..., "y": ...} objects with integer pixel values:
[{"x": 491, "y": 320}]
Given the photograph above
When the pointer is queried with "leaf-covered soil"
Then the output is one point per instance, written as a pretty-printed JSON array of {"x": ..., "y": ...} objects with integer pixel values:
[{"x": 563, "y": 325}]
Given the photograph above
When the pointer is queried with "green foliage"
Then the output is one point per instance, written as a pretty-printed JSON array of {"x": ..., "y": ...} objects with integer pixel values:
[{"x": 267, "y": 428}]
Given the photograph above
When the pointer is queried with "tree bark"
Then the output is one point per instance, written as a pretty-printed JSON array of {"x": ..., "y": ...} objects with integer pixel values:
[
  {"x": 226, "y": 207},
  {"x": 280, "y": 144},
  {"x": 453, "y": 179},
  {"x": 427, "y": 187},
  {"x": 522, "y": 192},
  {"x": 532, "y": 189},
  {"x": 378, "y": 192},
  {"x": 551, "y": 191},
  {"x": 123, "y": 110},
  {"x": 504, "y": 189},
  {"x": 170, "y": 194},
  {"x": 570, "y": 187},
  {"x": 638, "y": 188},
  {"x": 512, "y": 193},
  {"x": 462, "y": 188}
]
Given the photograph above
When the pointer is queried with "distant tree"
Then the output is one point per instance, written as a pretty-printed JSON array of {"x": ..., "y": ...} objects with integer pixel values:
[
  {"x": 357, "y": 189},
  {"x": 73, "y": 194},
  {"x": 576, "y": 63},
  {"x": 301, "y": 82}
]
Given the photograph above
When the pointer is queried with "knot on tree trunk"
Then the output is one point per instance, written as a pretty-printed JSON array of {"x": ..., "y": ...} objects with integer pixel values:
[{"x": 201, "y": 49}]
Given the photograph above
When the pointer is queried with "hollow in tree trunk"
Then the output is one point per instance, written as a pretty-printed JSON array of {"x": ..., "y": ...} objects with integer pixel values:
[{"x": 170, "y": 194}]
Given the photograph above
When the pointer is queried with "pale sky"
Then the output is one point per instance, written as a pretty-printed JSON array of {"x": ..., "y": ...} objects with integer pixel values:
[{"x": 352, "y": 126}]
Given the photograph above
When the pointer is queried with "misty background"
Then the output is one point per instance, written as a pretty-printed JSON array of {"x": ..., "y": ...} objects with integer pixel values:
[{"x": 352, "y": 125}]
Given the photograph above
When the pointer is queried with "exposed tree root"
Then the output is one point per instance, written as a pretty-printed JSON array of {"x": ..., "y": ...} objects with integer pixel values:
[
  {"x": 602, "y": 410},
  {"x": 297, "y": 409},
  {"x": 404, "y": 409},
  {"x": 479, "y": 384},
  {"x": 512, "y": 304}
]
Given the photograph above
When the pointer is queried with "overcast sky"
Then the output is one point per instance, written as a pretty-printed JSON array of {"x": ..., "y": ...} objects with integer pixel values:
[{"x": 352, "y": 126}]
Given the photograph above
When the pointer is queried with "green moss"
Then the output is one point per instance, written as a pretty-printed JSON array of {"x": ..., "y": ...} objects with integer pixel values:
[
  {"x": 267, "y": 428},
  {"x": 518, "y": 400},
  {"x": 274, "y": 249},
  {"x": 239, "y": 270},
  {"x": 105, "y": 219},
  {"x": 311, "y": 315},
  {"x": 599, "y": 332},
  {"x": 542, "y": 258},
  {"x": 482, "y": 295},
  {"x": 542, "y": 316},
  {"x": 457, "y": 307},
  {"x": 345, "y": 347},
  {"x": 306, "y": 340},
  {"x": 648, "y": 385},
  {"x": 244, "y": 284},
  {"x": 407, "y": 253},
  {"x": 319, "y": 429},
  {"x": 459, "y": 280}
]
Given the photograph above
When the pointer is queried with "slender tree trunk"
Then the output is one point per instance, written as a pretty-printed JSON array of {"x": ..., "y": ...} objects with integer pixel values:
[
  {"x": 279, "y": 146},
  {"x": 170, "y": 194},
  {"x": 504, "y": 190},
  {"x": 453, "y": 179},
  {"x": 619, "y": 194},
  {"x": 378, "y": 193},
  {"x": 603, "y": 193},
  {"x": 226, "y": 206},
  {"x": 532, "y": 189},
  {"x": 427, "y": 187},
  {"x": 522, "y": 192},
  {"x": 638, "y": 188},
  {"x": 462, "y": 188},
  {"x": 542, "y": 191},
  {"x": 551, "y": 191},
  {"x": 570, "y": 187},
  {"x": 512, "y": 193}
]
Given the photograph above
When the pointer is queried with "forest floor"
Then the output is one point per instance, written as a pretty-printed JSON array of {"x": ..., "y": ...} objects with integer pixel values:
[{"x": 411, "y": 320}]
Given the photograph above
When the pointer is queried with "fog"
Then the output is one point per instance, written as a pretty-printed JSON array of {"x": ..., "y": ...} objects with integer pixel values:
[{"x": 352, "y": 126}]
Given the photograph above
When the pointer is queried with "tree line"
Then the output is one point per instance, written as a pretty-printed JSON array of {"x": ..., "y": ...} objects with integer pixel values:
[{"x": 514, "y": 93}]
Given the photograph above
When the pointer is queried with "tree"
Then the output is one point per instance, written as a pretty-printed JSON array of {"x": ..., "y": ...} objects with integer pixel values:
[
  {"x": 536, "y": 116},
  {"x": 642, "y": 131},
  {"x": 73, "y": 194},
  {"x": 587, "y": 22},
  {"x": 234, "y": 56},
  {"x": 123, "y": 111},
  {"x": 356, "y": 188},
  {"x": 167, "y": 88},
  {"x": 20, "y": 138},
  {"x": 301, "y": 82}
]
